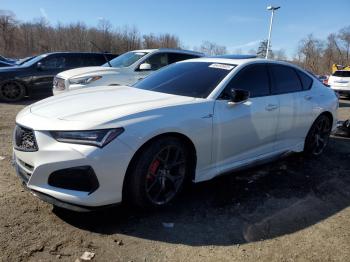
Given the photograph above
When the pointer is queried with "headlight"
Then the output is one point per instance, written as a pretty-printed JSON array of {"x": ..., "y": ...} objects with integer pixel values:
[
  {"x": 98, "y": 138},
  {"x": 84, "y": 80}
]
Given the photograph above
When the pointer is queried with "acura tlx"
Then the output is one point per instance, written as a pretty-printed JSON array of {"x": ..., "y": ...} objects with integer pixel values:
[{"x": 190, "y": 121}]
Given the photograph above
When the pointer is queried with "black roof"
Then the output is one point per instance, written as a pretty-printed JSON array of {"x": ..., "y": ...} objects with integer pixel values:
[{"x": 236, "y": 56}]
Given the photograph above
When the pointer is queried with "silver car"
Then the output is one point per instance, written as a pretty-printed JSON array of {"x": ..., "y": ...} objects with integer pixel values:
[{"x": 126, "y": 69}]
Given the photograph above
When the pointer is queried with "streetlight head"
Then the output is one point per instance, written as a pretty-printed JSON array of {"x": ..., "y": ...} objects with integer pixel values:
[{"x": 273, "y": 8}]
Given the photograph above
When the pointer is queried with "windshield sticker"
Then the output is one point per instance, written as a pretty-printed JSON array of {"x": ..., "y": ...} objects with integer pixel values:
[
  {"x": 140, "y": 53},
  {"x": 222, "y": 66}
]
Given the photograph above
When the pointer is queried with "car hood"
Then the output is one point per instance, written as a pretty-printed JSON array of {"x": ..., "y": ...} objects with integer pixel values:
[
  {"x": 14, "y": 68},
  {"x": 88, "y": 108},
  {"x": 82, "y": 71}
]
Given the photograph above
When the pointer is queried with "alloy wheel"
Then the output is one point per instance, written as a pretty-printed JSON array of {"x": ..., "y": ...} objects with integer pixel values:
[
  {"x": 11, "y": 91},
  {"x": 165, "y": 175},
  {"x": 320, "y": 135}
]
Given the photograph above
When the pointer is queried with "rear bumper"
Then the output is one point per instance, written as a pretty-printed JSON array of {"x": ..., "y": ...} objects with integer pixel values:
[{"x": 341, "y": 89}]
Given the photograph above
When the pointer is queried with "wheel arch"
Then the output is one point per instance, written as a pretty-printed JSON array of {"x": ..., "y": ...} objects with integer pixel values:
[
  {"x": 328, "y": 114},
  {"x": 189, "y": 145}
]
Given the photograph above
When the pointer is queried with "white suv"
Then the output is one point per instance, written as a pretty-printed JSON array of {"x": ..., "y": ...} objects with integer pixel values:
[
  {"x": 126, "y": 69},
  {"x": 340, "y": 82}
]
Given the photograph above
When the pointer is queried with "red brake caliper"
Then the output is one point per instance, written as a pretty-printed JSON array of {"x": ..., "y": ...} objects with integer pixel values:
[{"x": 153, "y": 168}]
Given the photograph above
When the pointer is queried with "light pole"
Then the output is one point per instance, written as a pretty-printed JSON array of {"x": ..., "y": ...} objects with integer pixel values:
[{"x": 273, "y": 9}]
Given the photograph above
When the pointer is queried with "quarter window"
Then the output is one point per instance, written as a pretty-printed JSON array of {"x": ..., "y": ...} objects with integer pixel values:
[
  {"x": 253, "y": 78},
  {"x": 306, "y": 81},
  {"x": 285, "y": 79}
]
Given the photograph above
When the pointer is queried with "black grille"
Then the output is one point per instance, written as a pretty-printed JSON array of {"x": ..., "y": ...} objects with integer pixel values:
[{"x": 25, "y": 139}]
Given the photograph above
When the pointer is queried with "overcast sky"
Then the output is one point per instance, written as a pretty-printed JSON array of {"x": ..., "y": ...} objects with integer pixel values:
[{"x": 237, "y": 24}]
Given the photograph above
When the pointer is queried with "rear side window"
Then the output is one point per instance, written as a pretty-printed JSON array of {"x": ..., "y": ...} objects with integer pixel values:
[
  {"x": 306, "y": 81},
  {"x": 285, "y": 79},
  {"x": 342, "y": 73},
  {"x": 253, "y": 78}
]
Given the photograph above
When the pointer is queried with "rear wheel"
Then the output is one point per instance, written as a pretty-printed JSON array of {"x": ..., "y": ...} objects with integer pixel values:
[
  {"x": 159, "y": 173},
  {"x": 318, "y": 136},
  {"x": 12, "y": 91}
]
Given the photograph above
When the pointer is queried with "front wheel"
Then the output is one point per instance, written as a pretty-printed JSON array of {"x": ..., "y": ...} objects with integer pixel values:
[
  {"x": 158, "y": 174},
  {"x": 318, "y": 136},
  {"x": 12, "y": 91}
]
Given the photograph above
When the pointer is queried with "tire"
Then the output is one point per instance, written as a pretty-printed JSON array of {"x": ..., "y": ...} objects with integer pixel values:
[
  {"x": 158, "y": 174},
  {"x": 12, "y": 91},
  {"x": 318, "y": 136}
]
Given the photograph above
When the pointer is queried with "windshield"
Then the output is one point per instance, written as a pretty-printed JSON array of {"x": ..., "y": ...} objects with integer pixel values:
[
  {"x": 34, "y": 60},
  {"x": 126, "y": 59},
  {"x": 24, "y": 60},
  {"x": 194, "y": 79},
  {"x": 342, "y": 73}
]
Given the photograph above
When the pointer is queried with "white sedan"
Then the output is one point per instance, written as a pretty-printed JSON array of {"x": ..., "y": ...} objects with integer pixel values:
[{"x": 192, "y": 120}]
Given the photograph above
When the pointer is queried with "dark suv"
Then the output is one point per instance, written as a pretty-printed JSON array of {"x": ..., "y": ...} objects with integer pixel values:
[{"x": 36, "y": 75}]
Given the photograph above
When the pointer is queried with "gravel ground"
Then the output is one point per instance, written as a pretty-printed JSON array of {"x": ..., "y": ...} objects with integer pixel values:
[{"x": 290, "y": 210}]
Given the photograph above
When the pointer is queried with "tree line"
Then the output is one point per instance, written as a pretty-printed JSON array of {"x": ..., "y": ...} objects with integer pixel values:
[
  {"x": 318, "y": 55},
  {"x": 21, "y": 39}
]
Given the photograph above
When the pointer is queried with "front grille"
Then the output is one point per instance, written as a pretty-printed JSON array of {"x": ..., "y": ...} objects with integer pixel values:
[
  {"x": 24, "y": 139},
  {"x": 58, "y": 83}
]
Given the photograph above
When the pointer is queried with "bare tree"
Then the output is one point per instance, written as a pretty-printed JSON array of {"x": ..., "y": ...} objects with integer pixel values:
[
  {"x": 310, "y": 50},
  {"x": 210, "y": 48},
  {"x": 8, "y": 26},
  {"x": 344, "y": 36}
]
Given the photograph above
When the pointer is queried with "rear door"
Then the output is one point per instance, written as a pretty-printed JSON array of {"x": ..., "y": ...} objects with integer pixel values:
[
  {"x": 245, "y": 131},
  {"x": 295, "y": 106}
]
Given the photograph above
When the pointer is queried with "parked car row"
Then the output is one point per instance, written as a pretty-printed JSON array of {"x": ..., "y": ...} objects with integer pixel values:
[
  {"x": 34, "y": 75},
  {"x": 61, "y": 72},
  {"x": 190, "y": 121}
]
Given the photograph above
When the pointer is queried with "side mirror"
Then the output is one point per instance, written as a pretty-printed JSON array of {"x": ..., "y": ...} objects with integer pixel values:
[
  {"x": 145, "y": 67},
  {"x": 39, "y": 65},
  {"x": 238, "y": 96}
]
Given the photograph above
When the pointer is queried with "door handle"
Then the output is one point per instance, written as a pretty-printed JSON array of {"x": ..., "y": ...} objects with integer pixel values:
[
  {"x": 271, "y": 107},
  {"x": 307, "y": 97}
]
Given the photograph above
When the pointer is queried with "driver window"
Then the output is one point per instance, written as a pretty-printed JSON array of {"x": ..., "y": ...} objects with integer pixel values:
[
  {"x": 53, "y": 63},
  {"x": 253, "y": 78},
  {"x": 157, "y": 61}
]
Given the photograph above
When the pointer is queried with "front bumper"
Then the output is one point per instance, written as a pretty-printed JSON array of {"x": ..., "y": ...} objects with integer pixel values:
[{"x": 109, "y": 165}]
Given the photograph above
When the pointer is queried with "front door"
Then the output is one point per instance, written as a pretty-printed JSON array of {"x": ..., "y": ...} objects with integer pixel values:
[
  {"x": 46, "y": 71},
  {"x": 244, "y": 132}
]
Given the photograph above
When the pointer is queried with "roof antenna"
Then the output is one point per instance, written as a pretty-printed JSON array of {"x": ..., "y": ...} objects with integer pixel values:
[{"x": 103, "y": 53}]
